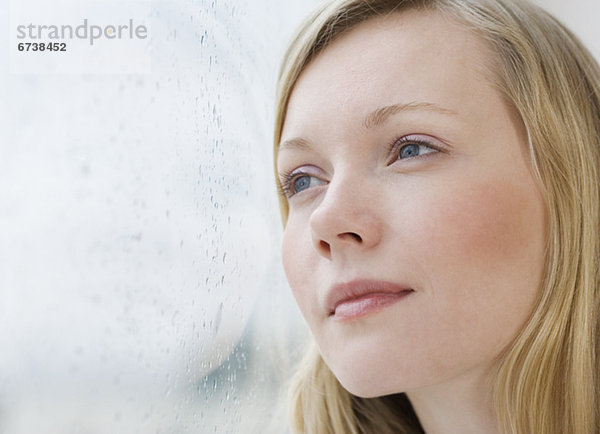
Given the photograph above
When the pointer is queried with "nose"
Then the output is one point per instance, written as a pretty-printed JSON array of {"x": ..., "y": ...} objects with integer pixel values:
[{"x": 346, "y": 219}]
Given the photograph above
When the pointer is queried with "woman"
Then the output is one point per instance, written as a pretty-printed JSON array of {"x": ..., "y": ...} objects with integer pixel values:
[{"x": 438, "y": 164}]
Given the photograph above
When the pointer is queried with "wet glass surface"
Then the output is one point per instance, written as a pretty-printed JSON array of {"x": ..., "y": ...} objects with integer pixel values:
[{"x": 140, "y": 284}]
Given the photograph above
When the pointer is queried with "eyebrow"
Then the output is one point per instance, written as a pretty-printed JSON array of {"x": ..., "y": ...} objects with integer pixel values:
[
  {"x": 375, "y": 119},
  {"x": 379, "y": 116}
]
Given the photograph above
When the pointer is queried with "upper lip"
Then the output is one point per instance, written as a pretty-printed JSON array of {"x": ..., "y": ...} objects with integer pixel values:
[{"x": 342, "y": 292}]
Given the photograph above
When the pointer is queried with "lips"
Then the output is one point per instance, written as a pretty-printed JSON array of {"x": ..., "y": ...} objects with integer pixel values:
[{"x": 360, "y": 297}]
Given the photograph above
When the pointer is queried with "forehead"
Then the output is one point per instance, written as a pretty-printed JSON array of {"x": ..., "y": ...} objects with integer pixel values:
[{"x": 402, "y": 57}]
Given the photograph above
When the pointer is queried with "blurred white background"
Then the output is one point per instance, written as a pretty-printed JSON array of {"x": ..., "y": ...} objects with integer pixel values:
[
  {"x": 140, "y": 285},
  {"x": 140, "y": 281}
]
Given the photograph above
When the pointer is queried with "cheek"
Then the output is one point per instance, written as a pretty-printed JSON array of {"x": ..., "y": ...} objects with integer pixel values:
[
  {"x": 482, "y": 252},
  {"x": 297, "y": 265},
  {"x": 489, "y": 225},
  {"x": 478, "y": 251},
  {"x": 290, "y": 257}
]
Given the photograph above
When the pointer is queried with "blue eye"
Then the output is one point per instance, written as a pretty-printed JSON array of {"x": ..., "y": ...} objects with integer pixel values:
[
  {"x": 414, "y": 149},
  {"x": 301, "y": 183},
  {"x": 298, "y": 181},
  {"x": 409, "y": 151}
]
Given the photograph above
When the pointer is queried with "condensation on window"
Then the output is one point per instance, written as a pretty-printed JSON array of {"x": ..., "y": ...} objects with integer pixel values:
[{"x": 140, "y": 282}]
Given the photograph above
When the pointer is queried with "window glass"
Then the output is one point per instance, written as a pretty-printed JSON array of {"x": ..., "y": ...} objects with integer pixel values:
[{"x": 140, "y": 282}]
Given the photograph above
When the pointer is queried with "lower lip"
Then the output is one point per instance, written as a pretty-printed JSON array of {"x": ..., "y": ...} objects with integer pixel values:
[{"x": 369, "y": 303}]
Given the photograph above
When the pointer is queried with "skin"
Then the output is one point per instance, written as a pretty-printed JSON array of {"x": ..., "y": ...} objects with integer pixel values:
[{"x": 462, "y": 223}]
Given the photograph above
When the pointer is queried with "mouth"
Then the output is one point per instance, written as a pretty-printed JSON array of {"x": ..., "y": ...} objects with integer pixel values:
[{"x": 358, "y": 298}]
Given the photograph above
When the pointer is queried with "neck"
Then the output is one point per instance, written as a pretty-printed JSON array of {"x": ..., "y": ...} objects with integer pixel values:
[{"x": 461, "y": 406}]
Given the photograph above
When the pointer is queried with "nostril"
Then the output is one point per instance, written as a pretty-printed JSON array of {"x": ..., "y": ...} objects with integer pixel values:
[
  {"x": 350, "y": 236},
  {"x": 325, "y": 246}
]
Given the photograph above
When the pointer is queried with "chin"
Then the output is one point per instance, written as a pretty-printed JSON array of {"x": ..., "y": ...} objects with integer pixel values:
[
  {"x": 366, "y": 383},
  {"x": 364, "y": 389},
  {"x": 369, "y": 369}
]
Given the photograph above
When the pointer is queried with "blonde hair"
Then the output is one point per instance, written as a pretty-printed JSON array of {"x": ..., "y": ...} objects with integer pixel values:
[{"x": 548, "y": 378}]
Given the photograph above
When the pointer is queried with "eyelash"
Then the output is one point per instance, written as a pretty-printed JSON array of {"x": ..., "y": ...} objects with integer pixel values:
[{"x": 288, "y": 177}]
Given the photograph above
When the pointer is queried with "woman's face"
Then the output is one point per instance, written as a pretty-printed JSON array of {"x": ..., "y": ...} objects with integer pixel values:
[{"x": 415, "y": 239}]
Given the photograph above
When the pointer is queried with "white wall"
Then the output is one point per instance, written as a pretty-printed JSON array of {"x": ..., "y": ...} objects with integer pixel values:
[{"x": 581, "y": 16}]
